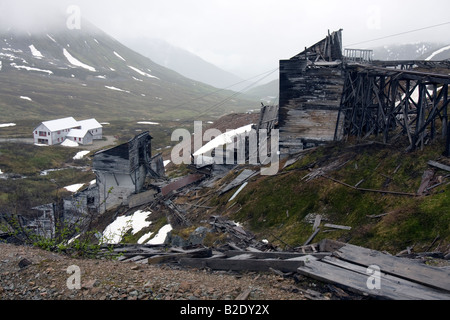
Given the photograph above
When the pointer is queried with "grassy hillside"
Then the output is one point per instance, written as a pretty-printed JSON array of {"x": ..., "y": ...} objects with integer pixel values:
[
  {"x": 114, "y": 83},
  {"x": 282, "y": 208}
]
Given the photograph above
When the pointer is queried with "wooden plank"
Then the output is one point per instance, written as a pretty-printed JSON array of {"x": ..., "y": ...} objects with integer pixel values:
[
  {"x": 242, "y": 265},
  {"x": 308, "y": 241},
  {"x": 277, "y": 255},
  {"x": 328, "y": 245},
  {"x": 134, "y": 258},
  {"x": 167, "y": 257},
  {"x": 243, "y": 256},
  {"x": 354, "y": 281},
  {"x": 397, "y": 266},
  {"x": 335, "y": 226},
  {"x": 241, "y": 178},
  {"x": 439, "y": 165},
  {"x": 317, "y": 221},
  {"x": 405, "y": 287}
]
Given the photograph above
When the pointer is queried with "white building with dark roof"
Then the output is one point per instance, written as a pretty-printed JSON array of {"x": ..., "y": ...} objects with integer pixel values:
[{"x": 56, "y": 131}]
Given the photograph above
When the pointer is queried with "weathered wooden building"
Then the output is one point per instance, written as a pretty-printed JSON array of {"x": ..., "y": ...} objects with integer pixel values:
[
  {"x": 311, "y": 85},
  {"x": 121, "y": 171}
]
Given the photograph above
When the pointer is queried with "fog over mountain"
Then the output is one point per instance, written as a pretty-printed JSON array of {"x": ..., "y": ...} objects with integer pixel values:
[
  {"x": 52, "y": 70},
  {"x": 185, "y": 63}
]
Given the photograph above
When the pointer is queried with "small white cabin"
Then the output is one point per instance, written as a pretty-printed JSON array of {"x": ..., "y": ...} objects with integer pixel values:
[{"x": 80, "y": 136}]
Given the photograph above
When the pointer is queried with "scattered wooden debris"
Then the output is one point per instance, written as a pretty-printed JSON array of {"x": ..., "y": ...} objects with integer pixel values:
[
  {"x": 323, "y": 170},
  {"x": 178, "y": 213},
  {"x": 356, "y": 269},
  {"x": 240, "y": 179},
  {"x": 401, "y": 278},
  {"x": 222, "y": 225}
]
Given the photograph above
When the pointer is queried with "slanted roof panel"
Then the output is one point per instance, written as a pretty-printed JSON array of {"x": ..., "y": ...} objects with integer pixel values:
[
  {"x": 78, "y": 133},
  {"x": 89, "y": 124},
  {"x": 61, "y": 124}
]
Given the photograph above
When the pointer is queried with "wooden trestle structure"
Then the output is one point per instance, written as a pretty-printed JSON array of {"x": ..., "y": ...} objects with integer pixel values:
[{"x": 380, "y": 97}]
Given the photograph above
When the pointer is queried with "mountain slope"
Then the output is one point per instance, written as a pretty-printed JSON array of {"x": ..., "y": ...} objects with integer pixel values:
[
  {"x": 412, "y": 51},
  {"x": 86, "y": 73},
  {"x": 267, "y": 93},
  {"x": 184, "y": 62},
  {"x": 440, "y": 54}
]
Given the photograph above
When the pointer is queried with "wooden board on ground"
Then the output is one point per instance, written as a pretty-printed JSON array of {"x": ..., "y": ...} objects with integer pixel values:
[
  {"x": 276, "y": 255},
  {"x": 401, "y": 267},
  {"x": 242, "y": 265},
  {"x": 356, "y": 281},
  {"x": 402, "y": 286}
]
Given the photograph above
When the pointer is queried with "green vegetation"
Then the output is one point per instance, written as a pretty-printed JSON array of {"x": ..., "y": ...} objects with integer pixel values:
[
  {"x": 26, "y": 187},
  {"x": 278, "y": 207}
]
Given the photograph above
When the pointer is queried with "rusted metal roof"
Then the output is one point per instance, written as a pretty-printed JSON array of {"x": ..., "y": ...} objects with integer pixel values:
[{"x": 181, "y": 183}]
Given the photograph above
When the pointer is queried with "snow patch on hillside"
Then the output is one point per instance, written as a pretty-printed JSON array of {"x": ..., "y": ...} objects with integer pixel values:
[
  {"x": 80, "y": 155},
  {"x": 142, "y": 73},
  {"x": 30, "y": 68},
  {"x": 119, "y": 227},
  {"x": 119, "y": 56},
  {"x": 25, "y": 98},
  {"x": 437, "y": 52},
  {"x": 147, "y": 122},
  {"x": 35, "y": 52},
  {"x": 161, "y": 236},
  {"x": 5, "y": 125},
  {"x": 51, "y": 38},
  {"x": 76, "y": 62},
  {"x": 116, "y": 89}
]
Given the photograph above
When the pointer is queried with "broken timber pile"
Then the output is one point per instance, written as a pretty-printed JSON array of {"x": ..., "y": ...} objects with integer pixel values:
[
  {"x": 353, "y": 267},
  {"x": 360, "y": 270}
]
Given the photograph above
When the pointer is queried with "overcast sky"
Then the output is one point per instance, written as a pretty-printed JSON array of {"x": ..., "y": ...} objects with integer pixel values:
[{"x": 249, "y": 37}]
